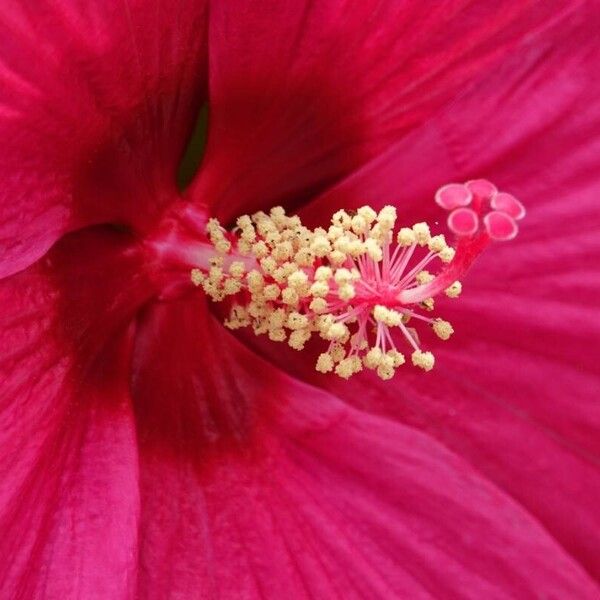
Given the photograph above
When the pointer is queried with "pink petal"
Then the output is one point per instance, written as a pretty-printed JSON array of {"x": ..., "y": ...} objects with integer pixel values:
[
  {"x": 254, "y": 485},
  {"x": 463, "y": 221},
  {"x": 96, "y": 103},
  {"x": 453, "y": 195},
  {"x": 519, "y": 397},
  {"x": 509, "y": 204},
  {"x": 500, "y": 226},
  {"x": 69, "y": 498},
  {"x": 292, "y": 113}
]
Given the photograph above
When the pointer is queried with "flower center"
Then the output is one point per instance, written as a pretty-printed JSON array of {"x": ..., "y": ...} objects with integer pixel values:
[{"x": 360, "y": 285}]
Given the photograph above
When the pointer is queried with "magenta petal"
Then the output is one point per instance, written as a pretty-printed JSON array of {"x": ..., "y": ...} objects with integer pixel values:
[
  {"x": 292, "y": 113},
  {"x": 516, "y": 390},
  {"x": 69, "y": 500},
  {"x": 97, "y": 101},
  {"x": 509, "y": 204},
  {"x": 453, "y": 195},
  {"x": 463, "y": 221},
  {"x": 272, "y": 491},
  {"x": 500, "y": 226}
]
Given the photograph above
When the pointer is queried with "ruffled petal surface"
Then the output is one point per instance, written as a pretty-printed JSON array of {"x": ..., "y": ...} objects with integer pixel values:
[
  {"x": 302, "y": 93},
  {"x": 515, "y": 391},
  {"x": 255, "y": 485},
  {"x": 69, "y": 495},
  {"x": 96, "y": 102}
]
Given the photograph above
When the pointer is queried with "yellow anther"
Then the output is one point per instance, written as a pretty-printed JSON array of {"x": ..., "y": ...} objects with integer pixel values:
[
  {"x": 216, "y": 261},
  {"x": 346, "y": 292},
  {"x": 215, "y": 274},
  {"x": 342, "y": 276},
  {"x": 283, "y": 251},
  {"x": 385, "y": 369},
  {"x": 268, "y": 264},
  {"x": 342, "y": 219},
  {"x": 266, "y": 226},
  {"x": 323, "y": 273},
  {"x": 443, "y": 329},
  {"x": 454, "y": 290},
  {"x": 342, "y": 244},
  {"x": 367, "y": 213},
  {"x": 255, "y": 281},
  {"x": 298, "y": 280},
  {"x": 294, "y": 221},
  {"x": 389, "y": 317},
  {"x": 397, "y": 358},
  {"x": 424, "y": 277},
  {"x": 406, "y": 237},
  {"x": 447, "y": 254},
  {"x": 356, "y": 248},
  {"x": 238, "y": 317},
  {"x": 385, "y": 372},
  {"x": 386, "y": 218},
  {"x": 244, "y": 222},
  {"x": 213, "y": 226},
  {"x": 337, "y": 352},
  {"x": 248, "y": 234},
  {"x": 345, "y": 368},
  {"x": 323, "y": 323},
  {"x": 319, "y": 289},
  {"x": 298, "y": 338},
  {"x": 222, "y": 246},
  {"x": 290, "y": 296},
  {"x": 324, "y": 363},
  {"x": 437, "y": 243},
  {"x": 273, "y": 238},
  {"x": 197, "y": 277},
  {"x": 359, "y": 224},
  {"x": 277, "y": 318},
  {"x": 212, "y": 290},
  {"x": 232, "y": 286},
  {"x": 256, "y": 309},
  {"x": 424, "y": 360},
  {"x": 320, "y": 246},
  {"x": 271, "y": 292},
  {"x": 260, "y": 328},
  {"x": 334, "y": 232},
  {"x": 260, "y": 249},
  {"x": 379, "y": 233},
  {"x": 372, "y": 358},
  {"x": 297, "y": 321},
  {"x": 244, "y": 247},
  {"x": 337, "y": 258},
  {"x": 277, "y": 335},
  {"x": 304, "y": 257},
  {"x": 277, "y": 212},
  {"x": 337, "y": 332},
  {"x": 428, "y": 304},
  {"x": 373, "y": 249},
  {"x": 237, "y": 269},
  {"x": 422, "y": 234},
  {"x": 318, "y": 305},
  {"x": 280, "y": 275}
]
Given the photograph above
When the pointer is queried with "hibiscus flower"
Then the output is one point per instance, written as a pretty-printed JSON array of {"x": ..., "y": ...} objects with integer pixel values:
[{"x": 148, "y": 451}]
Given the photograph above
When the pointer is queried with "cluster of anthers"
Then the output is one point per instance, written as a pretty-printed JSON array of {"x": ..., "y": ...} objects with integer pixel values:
[{"x": 357, "y": 284}]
